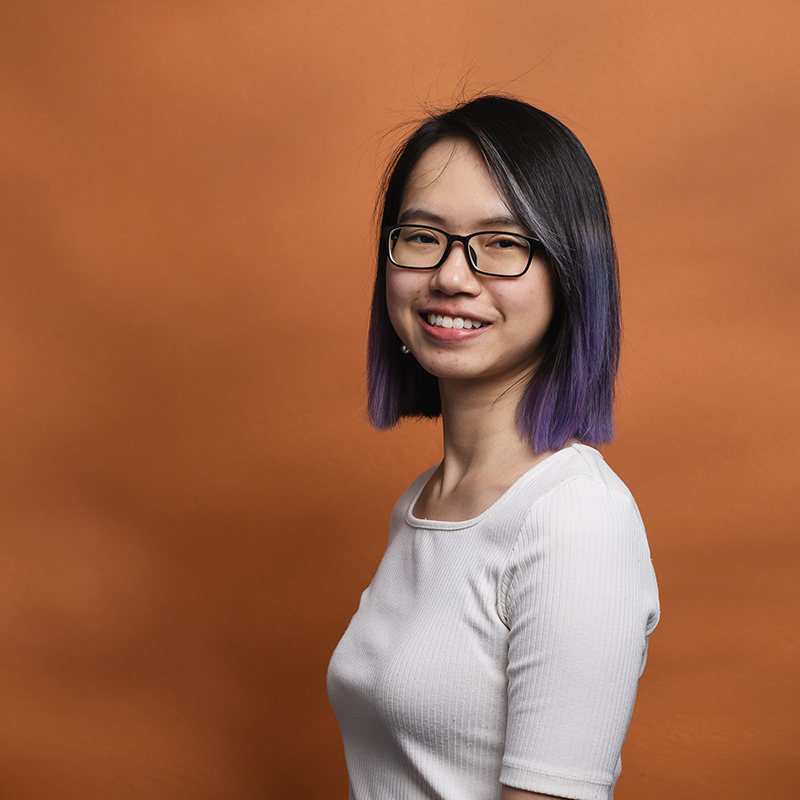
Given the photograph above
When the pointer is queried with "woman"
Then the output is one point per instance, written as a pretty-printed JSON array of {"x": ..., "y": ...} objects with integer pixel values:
[{"x": 497, "y": 651}]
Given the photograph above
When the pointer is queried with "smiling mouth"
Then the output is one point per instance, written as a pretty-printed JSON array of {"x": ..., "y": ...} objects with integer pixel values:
[{"x": 441, "y": 321}]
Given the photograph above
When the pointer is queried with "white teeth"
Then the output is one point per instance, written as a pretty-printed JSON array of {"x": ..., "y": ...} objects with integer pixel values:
[{"x": 440, "y": 321}]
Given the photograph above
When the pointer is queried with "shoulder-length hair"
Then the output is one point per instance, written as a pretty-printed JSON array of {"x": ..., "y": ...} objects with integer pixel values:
[{"x": 548, "y": 180}]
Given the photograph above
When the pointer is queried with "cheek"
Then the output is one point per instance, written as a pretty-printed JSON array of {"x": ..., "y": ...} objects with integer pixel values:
[
  {"x": 532, "y": 303},
  {"x": 401, "y": 288},
  {"x": 533, "y": 299},
  {"x": 392, "y": 299},
  {"x": 542, "y": 293}
]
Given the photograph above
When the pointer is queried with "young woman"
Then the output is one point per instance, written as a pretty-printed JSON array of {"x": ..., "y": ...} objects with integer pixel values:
[{"x": 497, "y": 651}]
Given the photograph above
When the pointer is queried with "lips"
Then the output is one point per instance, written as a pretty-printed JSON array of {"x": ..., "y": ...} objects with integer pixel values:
[
  {"x": 446, "y": 321},
  {"x": 451, "y": 327}
]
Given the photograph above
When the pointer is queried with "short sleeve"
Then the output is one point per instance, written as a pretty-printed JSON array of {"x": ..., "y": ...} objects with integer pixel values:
[{"x": 580, "y": 602}]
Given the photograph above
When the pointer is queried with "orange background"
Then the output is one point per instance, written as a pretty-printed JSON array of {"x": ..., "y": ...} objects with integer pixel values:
[{"x": 191, "y": 501}]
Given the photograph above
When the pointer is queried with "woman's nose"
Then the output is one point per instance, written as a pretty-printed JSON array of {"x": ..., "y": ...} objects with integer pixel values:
[{"x": 455, "y": 275}]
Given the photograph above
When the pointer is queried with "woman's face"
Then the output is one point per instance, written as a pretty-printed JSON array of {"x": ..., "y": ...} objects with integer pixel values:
[{"x": 451, "y": 189}]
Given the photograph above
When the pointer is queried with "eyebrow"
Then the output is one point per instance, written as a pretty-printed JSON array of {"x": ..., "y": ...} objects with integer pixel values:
[{"x": 421, "y": 215}]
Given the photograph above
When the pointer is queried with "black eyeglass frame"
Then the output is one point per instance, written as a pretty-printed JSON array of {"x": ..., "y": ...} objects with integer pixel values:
[{"x": 535, "y": 244}]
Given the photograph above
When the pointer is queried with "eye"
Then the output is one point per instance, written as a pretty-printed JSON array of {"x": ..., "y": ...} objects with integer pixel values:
[
  {"x": 419, "y": 237},
  {"x": 507, "y": 242}
]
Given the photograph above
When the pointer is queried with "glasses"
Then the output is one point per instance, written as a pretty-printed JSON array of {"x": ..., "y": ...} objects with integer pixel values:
[{"x": 496, "y": 253}]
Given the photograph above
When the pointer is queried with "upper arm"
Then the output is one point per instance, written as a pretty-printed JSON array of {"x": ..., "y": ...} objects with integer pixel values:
[{"x": 580, "y": 604}]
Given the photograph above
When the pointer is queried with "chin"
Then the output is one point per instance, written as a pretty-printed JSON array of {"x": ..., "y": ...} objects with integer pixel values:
[
  {"x": 454, "y": 371},
  {"x": 504, "y": 375}
]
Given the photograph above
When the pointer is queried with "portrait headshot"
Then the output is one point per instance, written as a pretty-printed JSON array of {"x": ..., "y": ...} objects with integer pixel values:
[{"x": 399, "y": 401}]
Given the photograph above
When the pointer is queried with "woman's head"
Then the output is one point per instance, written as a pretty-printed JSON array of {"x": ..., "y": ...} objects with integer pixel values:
[{"x": 552, "y": 190}]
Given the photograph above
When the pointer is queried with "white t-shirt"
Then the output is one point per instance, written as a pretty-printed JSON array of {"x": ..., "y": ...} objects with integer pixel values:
[{"x": 502, "y": 649}]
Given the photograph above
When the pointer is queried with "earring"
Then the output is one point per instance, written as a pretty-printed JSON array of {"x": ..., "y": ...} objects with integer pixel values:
[{"x": 404, "y": 350}]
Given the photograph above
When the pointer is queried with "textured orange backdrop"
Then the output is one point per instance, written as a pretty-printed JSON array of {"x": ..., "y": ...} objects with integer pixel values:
[{"x": 190, "y": 499}]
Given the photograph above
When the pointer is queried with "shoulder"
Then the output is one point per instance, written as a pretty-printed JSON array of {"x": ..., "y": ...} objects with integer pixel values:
[
  {"x": 588, "y": 465},
  {"x": 577, "y": 480},
  {"x": 586, "y": 528},
  {"x": 588, "y": 503}
]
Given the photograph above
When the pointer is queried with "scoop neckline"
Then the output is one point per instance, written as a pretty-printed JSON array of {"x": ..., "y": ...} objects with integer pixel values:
[{"x": 441, "y": 524}]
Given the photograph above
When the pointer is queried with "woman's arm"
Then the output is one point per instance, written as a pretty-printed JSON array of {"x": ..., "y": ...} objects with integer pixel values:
[
  {"x": 580, "y": 602},
  {"x": 520, "y": 794}
]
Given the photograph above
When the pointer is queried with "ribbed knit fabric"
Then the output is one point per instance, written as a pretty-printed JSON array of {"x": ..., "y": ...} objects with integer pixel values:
[{"x": 503, "y": 649}]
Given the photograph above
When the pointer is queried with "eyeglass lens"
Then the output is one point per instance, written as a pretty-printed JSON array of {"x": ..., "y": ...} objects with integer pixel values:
[{"x": 495, "y": 252}]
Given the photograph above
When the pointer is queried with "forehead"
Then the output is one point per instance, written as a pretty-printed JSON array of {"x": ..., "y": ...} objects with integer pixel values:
[{"x": 451, "y": 182}]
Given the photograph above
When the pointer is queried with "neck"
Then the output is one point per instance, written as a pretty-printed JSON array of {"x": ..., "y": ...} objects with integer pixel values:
[{"x": 480, "y": 431}]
